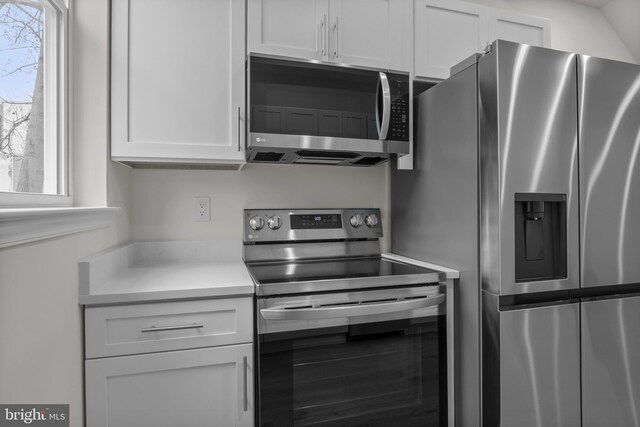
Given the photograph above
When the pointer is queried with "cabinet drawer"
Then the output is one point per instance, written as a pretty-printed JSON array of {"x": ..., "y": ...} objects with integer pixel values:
[{"x": 148, "y": 328}]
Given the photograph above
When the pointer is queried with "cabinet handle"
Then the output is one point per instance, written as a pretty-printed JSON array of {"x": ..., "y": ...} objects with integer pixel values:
[
  {"x": 238, "y": 129},
  {"x": 335, "y": 27},
  {"x": 244, "y": 379},
  {"x": 324, "y": 34},
  {"x": 172, "y": 328}
]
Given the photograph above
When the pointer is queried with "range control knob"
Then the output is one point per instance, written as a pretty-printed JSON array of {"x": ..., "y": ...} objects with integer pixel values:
[
  {"x": 371, "y": 220},
  {"x": 256, "y": 223},
  {"x": 356, "y": 221},
  {"x": 274, "y": 222}
]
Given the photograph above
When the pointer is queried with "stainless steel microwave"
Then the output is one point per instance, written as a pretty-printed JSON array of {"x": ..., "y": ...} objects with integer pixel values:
[{"x": 315, "y": 113}]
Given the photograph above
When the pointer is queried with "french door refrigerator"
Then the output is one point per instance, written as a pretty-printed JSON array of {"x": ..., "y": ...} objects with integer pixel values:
[{"x": 525, "y": 180}]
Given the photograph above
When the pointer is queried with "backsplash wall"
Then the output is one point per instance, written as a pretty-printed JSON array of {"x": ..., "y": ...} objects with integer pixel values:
[{"x": 162, "y": 205}]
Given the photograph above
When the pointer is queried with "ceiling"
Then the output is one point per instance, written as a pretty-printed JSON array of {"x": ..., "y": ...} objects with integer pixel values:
[
  {"x": 623, "y": 15},
  {"x": 594, "y": 3}
]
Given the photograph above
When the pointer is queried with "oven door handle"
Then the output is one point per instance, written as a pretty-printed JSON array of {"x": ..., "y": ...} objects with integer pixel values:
[{"x": 362, "y": 309}]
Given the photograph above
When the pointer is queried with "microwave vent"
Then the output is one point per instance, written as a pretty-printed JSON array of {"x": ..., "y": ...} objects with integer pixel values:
[
  {"x": 368, "y": 161},
  {"x": 267, "y": 157},
  {"x": 327, "y": 154}
]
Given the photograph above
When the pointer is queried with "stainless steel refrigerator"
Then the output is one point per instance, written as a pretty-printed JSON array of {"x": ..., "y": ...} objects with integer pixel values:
[{"x": 527, "y": 180}]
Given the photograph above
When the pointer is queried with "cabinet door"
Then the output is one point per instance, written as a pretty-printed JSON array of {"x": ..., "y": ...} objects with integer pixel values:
[
  {"x": 371, "y": 33},
  {"x": 289, "y": 28},
  {"x": 177, "y": 81},
  {"x": 519, "y": 28},
  {"x": 204, "y": 387},
  {"x": 446, "y": 32}
]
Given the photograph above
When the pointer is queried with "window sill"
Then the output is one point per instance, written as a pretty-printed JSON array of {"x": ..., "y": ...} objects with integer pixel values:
[{"x": 18, "y": 226}]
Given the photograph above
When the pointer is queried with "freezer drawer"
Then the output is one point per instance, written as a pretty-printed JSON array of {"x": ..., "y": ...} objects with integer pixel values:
[
  {"x": 540, "y": 371},
  {"x": 610, "y": 362}
]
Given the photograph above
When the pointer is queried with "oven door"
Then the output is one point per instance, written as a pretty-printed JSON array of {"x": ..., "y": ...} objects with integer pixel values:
[{"x": 374, "y": 358}]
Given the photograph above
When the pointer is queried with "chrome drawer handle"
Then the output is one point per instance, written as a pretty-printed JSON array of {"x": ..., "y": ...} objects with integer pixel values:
[
  {"x": 172, "y": 328},
  {"x": 363, "y": 309},
  {"x": 245, "y": 396},
  {"x": 239, "y": 131}
]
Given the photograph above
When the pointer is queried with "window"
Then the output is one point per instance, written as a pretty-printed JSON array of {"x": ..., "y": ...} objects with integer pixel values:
[{"x": 34, "y": 151}]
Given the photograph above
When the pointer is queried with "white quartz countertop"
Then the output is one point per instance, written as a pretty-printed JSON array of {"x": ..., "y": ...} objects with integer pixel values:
[
  {"x": 450, "y": 273},
  {"x": 156, "y": 271}
]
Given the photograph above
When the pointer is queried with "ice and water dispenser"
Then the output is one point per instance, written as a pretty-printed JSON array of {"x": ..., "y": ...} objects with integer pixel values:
[{"x": 540, "y": 236}]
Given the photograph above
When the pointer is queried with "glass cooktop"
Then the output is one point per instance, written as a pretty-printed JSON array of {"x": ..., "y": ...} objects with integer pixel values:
[{"x": 321, "y": 275}]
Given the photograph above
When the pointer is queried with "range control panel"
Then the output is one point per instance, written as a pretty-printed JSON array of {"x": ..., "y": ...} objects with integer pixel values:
[{"x": 273, "y": 225}]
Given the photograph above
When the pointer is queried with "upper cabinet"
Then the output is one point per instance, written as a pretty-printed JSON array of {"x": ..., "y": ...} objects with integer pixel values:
[
  {"x": 178, "y": 81},
  {"x": 371, "y": 33},
  {"x": 448, "y": 31},
  {"x": 289, "y": 28},
  {"x": 519, "y": 28}
]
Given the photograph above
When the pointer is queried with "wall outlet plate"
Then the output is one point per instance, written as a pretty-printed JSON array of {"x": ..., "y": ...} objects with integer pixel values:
[{"x": 202, "y": 209}]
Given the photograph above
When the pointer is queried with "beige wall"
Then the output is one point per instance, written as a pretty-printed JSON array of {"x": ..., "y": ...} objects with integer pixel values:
[
  {"x": 41, "y": 356},
  {"x": 162, "y": 200},
  {"x": 41, "y": 350},
  {"x": 624, "y": 15}
]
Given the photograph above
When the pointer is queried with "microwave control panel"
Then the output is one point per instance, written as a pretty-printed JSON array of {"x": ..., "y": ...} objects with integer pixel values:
[{"x": 399, "y": 123}]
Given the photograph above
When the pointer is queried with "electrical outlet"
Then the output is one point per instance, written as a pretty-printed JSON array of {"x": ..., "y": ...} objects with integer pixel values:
[{"x": 202, "y": 209}]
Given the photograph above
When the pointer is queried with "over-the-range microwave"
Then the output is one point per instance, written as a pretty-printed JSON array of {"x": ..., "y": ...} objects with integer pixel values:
[{"x": 308, "y": 112}]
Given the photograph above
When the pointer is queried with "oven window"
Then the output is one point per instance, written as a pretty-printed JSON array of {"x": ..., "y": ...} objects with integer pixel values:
[{"x": 377, "y": 374}]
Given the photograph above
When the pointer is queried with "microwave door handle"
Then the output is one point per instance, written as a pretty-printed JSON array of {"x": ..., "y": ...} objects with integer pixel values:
[
  {"x": 383, "y": 101},
  {"x": 350, "y": 310}
]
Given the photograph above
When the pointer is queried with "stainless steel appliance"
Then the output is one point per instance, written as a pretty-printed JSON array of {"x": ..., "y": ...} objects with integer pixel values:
[
  {"x": 345, "y": 335},
  {"x": 609, "y": 171},
  {"x": 314, "y": 113},
  {"x": 531, "y": 154}
]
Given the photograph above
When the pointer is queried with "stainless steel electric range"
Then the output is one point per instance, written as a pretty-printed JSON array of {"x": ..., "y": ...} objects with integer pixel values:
[{"x": 345, "y": 335}]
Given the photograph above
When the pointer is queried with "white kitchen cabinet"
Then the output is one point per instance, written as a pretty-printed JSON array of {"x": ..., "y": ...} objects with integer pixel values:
[
  {"x": 164, "y": 326},
  {"x": 289, "y": 28},
  {"x": 201, "y": 387},
  {"x": 448, "y": 31},
  {"x": 519, "y": 28},
  {"x": 167, "y": 364},
  {"x": 178, "y": 81},
  {"x": 371, "y": 33}
]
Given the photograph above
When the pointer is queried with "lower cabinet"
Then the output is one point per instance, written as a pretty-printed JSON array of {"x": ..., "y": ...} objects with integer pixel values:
[
  {"x": 170, "y": 364},
  {"x": 200, "y": 387}
]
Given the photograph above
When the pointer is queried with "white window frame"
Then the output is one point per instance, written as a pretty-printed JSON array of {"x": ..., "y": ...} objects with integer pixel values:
[{"x": 57, "y": 113}]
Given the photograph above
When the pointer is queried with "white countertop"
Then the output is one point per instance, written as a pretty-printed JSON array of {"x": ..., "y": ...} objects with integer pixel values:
[
  {"x": 156, "y": 271},
  {"x": 450, "y": 273}
]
